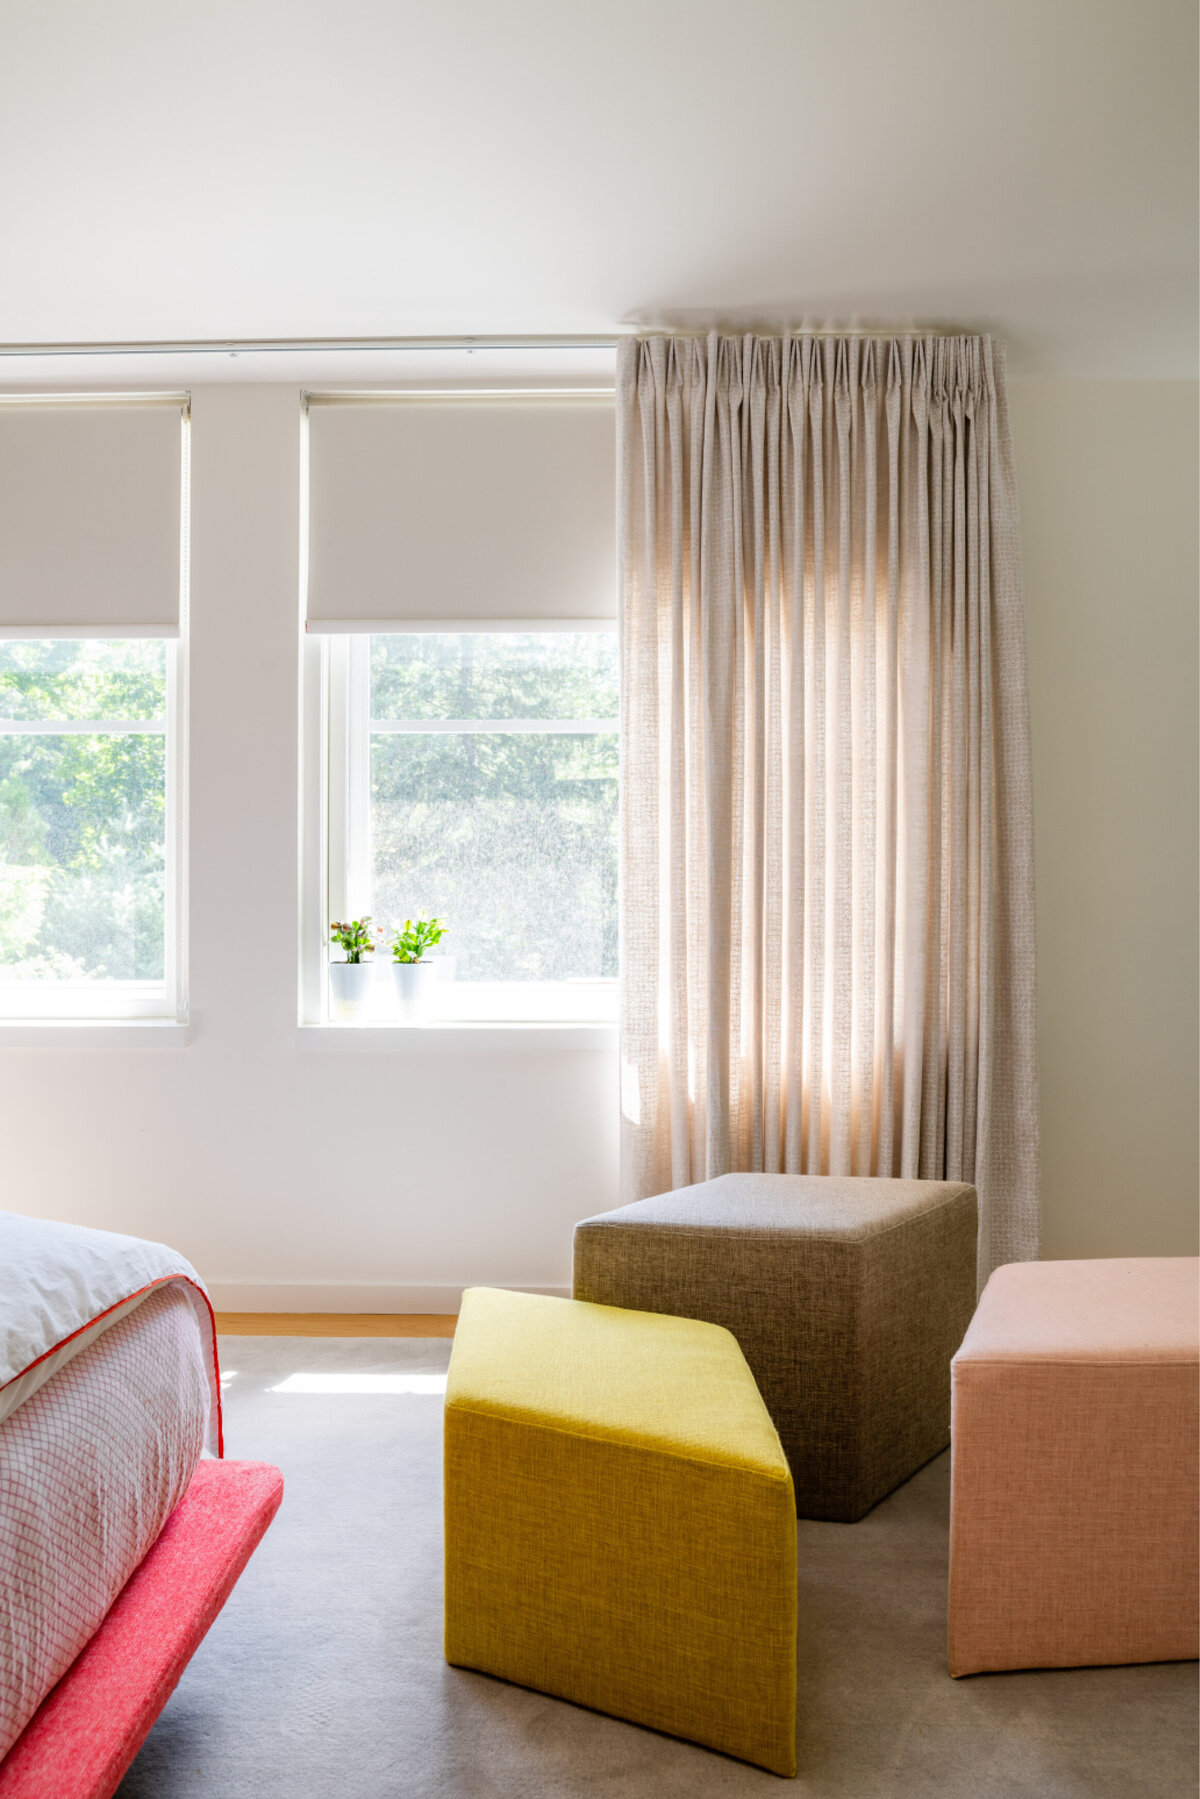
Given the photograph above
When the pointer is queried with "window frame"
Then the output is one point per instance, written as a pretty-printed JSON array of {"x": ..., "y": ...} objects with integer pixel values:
[
  {"x": 115, "y": 1001},
  {"x": 336, "y": 876}
]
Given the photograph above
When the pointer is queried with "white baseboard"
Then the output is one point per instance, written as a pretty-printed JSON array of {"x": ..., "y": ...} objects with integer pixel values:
[{"x": 352, "y": 1296}]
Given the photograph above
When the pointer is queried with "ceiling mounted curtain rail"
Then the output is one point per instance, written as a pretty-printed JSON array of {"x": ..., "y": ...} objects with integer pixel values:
[
  {"x": 174, "y": 402},
  {"x": 290, "y": 346}
]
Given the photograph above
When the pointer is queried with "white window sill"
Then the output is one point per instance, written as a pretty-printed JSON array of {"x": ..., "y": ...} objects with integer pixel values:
[
  {"x": 440, "y": 1035},
  {"x": 91, "y": 1033}
]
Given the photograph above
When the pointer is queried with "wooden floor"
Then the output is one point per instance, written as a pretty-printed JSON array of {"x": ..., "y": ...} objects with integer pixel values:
[{"x": 336, "y": 1324}]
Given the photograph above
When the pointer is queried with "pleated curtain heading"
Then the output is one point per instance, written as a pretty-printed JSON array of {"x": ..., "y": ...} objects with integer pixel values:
[{"x": 827, "y": 927}]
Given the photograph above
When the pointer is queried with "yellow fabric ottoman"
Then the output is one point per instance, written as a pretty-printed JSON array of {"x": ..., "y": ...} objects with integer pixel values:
[{"x": 620, "y": 1525}]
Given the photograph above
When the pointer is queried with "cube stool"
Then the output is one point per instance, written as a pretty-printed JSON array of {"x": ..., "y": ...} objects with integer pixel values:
[
  {"x": 848, "y": 1297},
  {"x": 1075, "y": 1483},
  {"x": 620, "y": 1528}
]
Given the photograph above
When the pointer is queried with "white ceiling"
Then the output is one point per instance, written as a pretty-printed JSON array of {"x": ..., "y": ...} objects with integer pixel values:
[{"x": 283, "y": 169}]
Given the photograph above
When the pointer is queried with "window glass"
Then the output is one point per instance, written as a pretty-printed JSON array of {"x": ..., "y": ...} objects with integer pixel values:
[
  {"x": 82, "y": 810},
  {"x": 89, "y": 678},
  {"x": 509, "y": 831},
  {"x": 547, "y": 675}
]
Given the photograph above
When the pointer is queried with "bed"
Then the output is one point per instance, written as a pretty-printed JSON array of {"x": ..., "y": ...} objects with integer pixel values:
[{"x": 122, "y": 1529}]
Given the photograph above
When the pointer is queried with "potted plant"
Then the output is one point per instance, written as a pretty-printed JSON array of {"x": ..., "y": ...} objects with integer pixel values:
[
  {"x": 412, "y": 974},
  {"x": 350, "y": 981}
]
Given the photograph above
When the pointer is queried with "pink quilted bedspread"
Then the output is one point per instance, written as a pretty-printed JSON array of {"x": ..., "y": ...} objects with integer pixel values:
[{"x": 91, "y": 1466}]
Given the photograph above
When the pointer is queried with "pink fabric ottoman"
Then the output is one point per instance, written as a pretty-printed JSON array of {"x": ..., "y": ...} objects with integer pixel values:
[{"x": 1075, "y": 1479}]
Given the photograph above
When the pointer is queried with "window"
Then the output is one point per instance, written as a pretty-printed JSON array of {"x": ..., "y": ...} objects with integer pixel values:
[
  {"x": 473, "y": 776},
  {"x": 88, "y": 828}
]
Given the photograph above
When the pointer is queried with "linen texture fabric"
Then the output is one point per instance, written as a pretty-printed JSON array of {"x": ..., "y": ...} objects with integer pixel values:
[
  {"x": 826, "y": 912},
  {"x": 848, "y": 1297},
  {"x": 620, "y": 1526},
  {"x": 1075, "y": 1484}
]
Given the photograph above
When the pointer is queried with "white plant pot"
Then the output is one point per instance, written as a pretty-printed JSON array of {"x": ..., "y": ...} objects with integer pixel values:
[
  {"x": 414, "y": 982},
  {"x": 350, "y": 989}
]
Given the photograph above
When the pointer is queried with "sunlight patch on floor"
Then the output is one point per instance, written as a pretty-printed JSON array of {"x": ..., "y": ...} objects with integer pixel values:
[{"x": 361, "y": 1383}]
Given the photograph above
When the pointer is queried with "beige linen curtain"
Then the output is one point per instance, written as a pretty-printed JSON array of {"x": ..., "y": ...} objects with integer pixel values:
[{"x": 827, "y": 932}]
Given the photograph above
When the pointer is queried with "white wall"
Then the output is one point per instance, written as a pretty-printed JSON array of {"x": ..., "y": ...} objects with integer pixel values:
[
  {"x": 1107, "y": 472},
  {"x": 263, "y": 1163},
  {"x": 282, "y": 1173}
]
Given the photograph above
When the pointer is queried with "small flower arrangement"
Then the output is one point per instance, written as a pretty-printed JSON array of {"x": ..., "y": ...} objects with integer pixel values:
[
  {"x": 355, "y": 937},
  {"x": 417, "y": 936}
]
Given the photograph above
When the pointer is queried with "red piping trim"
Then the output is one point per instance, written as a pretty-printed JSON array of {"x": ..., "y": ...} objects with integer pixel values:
[{"x": 164, "y": 1281}]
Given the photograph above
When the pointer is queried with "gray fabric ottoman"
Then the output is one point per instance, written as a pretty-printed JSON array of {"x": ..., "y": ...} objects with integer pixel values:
[{"x": 848, "y": 1298}]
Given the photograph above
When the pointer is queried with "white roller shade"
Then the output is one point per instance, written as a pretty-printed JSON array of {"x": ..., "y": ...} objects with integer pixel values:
[
  {"x": 496, "y": 510},
  {"x": 90, "y": 518}
]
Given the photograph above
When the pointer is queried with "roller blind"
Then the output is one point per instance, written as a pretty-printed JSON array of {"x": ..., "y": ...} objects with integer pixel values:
[
  {"x": 90, "y": 518},
  {"x": 496, "y": 510}
]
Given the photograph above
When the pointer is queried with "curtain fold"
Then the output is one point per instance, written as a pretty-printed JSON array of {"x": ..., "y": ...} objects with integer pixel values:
[{"x": 827, "y": 932}]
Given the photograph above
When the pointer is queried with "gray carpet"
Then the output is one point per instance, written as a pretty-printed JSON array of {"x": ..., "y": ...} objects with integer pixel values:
[{"x": 324, "y": 1675}]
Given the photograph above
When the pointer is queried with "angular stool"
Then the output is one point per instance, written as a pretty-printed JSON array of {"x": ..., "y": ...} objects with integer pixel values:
[
  {"x": 620, "y": 1528},
  {"x": 848, "y": 1298},
  {"x": 1075, "y": 1485}
]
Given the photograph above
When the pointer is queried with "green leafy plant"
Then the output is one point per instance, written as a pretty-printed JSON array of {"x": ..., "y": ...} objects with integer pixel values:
[
  {"x": 410, "y": 943},
  {"x": 355, "y": 937}
]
